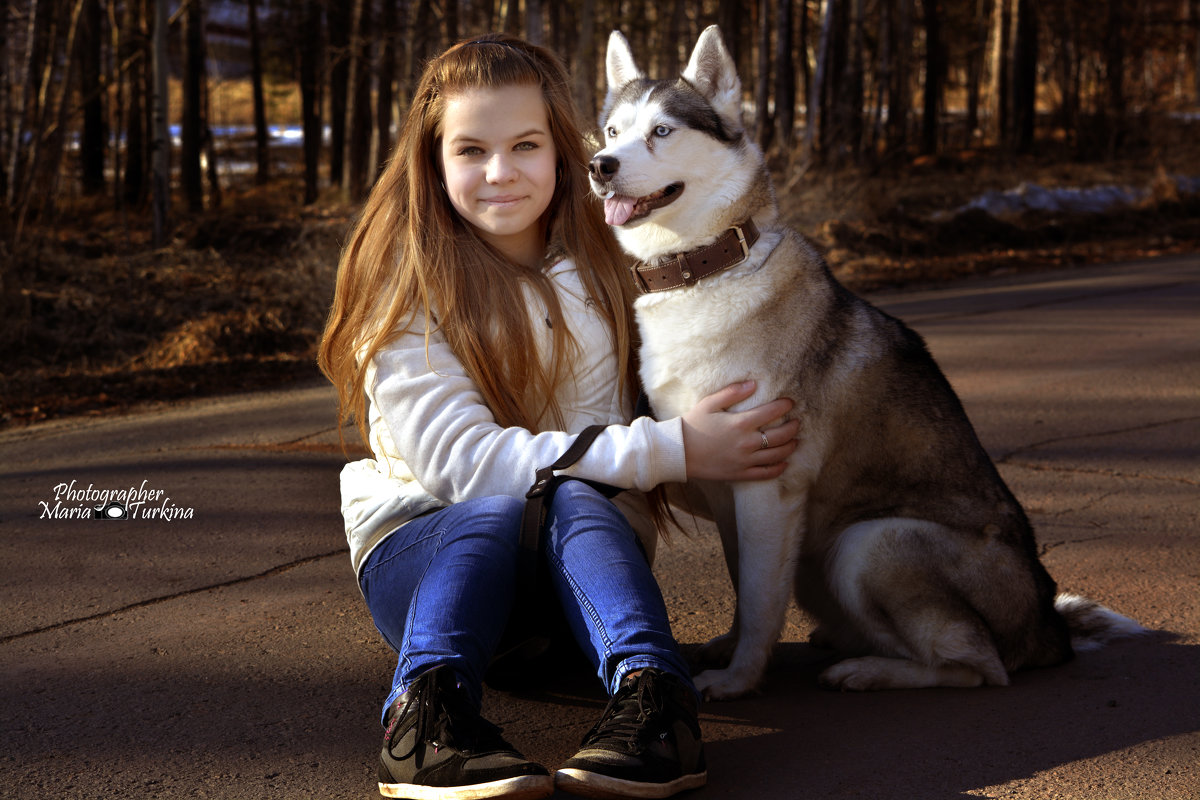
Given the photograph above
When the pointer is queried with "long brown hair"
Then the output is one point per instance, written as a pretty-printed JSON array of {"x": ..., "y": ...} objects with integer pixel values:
[{"x": 411, "y": 257}]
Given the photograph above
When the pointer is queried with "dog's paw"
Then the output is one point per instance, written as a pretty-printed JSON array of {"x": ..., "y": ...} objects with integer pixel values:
[
  {"x": 722, "y": 684},
  {"x": 852, "y": 675},
  {"x": 870, "y": 673},
  {"x": 717, "y": 652}
]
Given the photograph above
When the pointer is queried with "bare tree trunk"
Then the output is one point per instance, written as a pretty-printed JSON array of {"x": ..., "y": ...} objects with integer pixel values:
[
  {"x": 338, "y": 18},
  {"x": 310, "y": 95},
  {"x": 261, "y": 148},
  {"x": 191, "y": 129},
  {"x": 1002, "y": 68},
  {"x": 534, "y": 27},
  {"x": 7, "y": 113},
  {"x": 512, "y": 16},
  {"x": 883, "y": 76},
  {"x": 208, "y": 144},
  {"x": 93, "y": 135},
  {"x": 976, "y": 56},
  {"x": 114, "y": 122},
  {"x": 1115, "y": 83},
  {"x": 450, "y": 13},
  {"x": 36, "y": 34},
  {"x": 421, "y": 45},
  {"x": 359, "y": 141},
  {"x": 585, "y": 75},
  {"x": 638, "y": 32},
  {"x": 387, "y": 80},
  {"x": 1195, "y": 18},
  {"x": 933, "y": 78},
  {"x": 785, "y": 78},
  {"x": 160, "y": 152},
  {"x": 729, "y": 13},
  {"x": 560, "y": 19},
  {"x": 805, "y": 82},
  {"x": 134, "y": 50},
  {"x": 1024, "y": 79},
  {"x": 679, "y": 34},
  {"x": 483, "y": 15},
  {"x": 900, "y": 92},
  {"x": 851, "y": 95},
  {"x": 834, "y": 111},
  {"x": 47, "y": 142},
  {"x": 813, "y": 140},
  {"x": 763, "y": 123}
]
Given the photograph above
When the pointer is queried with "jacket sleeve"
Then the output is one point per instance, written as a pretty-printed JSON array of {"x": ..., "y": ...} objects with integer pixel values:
[{"x": 441, "y": 429}]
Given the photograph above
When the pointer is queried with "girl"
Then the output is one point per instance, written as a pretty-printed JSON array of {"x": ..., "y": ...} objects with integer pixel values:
[{"x": 481, "y": 318}]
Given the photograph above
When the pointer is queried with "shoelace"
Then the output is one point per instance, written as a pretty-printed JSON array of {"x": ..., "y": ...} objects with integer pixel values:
[
  {"x": 624, "y": 719},
  {"x": 445, "y": 718}
]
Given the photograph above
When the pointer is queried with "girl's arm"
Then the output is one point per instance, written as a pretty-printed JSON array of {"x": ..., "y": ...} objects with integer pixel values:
[
  {"x": 452, "y": 444},
  {"x": 449, "y": 440}
]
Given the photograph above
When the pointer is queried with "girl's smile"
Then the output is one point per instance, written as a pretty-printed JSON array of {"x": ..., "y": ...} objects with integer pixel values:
[{"x": 498, "y": 165}]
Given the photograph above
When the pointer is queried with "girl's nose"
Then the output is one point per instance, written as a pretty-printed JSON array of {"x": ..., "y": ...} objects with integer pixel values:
[{"x": 500, "y": 169}]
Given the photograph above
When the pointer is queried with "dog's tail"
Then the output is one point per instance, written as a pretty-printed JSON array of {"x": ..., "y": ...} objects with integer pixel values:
[{"x": 1092, "y": 625}]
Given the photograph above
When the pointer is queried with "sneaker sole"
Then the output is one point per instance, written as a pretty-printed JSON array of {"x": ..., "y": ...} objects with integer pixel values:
[
  {"x": 524, "y": 787},
  {"x": 593, "y": 784}
]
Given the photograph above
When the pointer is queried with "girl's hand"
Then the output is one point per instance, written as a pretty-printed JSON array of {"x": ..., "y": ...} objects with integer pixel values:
[{"x": 728, "y": 445}]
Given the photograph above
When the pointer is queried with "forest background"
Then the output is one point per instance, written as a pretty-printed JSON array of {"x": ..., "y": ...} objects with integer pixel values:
[{"x": 176, "y": 179}]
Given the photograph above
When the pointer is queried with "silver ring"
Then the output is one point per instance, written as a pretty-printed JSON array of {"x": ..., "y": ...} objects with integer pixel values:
[{"x": 765, "y": 443}]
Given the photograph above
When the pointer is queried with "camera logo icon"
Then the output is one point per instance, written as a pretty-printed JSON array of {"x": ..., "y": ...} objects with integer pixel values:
[{"x": 110, "y": 511}]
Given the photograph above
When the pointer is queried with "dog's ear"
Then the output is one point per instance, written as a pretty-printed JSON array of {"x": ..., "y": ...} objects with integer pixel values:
[
  {"x": 712, "y": 71},
  {"x": 619, "y": 62},
  {"x": 620, "y": 68}
]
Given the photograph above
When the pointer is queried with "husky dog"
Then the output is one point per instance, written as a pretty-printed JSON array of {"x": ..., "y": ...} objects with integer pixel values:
[{"x": 891, "y": 524}]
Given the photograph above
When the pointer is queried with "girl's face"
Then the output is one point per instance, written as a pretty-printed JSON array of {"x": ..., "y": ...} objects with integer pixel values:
[{"x": 498, "y": 165}]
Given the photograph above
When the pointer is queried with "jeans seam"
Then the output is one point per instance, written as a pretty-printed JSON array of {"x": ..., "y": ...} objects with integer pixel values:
[{"x": 584, "y": 603}]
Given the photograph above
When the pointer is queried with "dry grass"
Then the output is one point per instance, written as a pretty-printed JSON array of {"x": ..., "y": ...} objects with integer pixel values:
[{"x": 103, "y": 321}]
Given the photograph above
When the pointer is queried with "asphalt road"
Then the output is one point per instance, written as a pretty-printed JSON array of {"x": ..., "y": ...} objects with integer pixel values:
[{"x": 214, "y": 643}]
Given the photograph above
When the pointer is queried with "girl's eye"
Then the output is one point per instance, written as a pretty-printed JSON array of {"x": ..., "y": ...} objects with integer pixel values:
[
  {"x": 662, "y": 130},
  {"x": 470, "y": 151},
  {"x": 526, "y": 146}
]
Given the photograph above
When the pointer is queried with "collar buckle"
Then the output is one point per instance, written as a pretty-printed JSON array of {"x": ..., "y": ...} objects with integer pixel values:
[{"x": 741, "y": 237}]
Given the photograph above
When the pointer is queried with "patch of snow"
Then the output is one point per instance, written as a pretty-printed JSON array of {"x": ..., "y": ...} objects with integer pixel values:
[{"x": 1031, "y": 197}]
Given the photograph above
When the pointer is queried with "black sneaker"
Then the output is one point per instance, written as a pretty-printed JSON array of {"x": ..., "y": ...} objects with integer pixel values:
[
  {"x": 438, "y": 747},
  {"x": 647, "y": 744}
]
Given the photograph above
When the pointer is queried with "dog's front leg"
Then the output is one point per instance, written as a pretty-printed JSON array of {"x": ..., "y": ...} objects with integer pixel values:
[
  {"x": 718, "y": 500},
  {"x": 769, "y": 532}
]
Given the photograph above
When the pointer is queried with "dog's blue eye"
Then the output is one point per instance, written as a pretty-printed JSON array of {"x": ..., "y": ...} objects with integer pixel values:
[
  {"x": 662, "y": 130},
  {"x": 610, "y": 132}
]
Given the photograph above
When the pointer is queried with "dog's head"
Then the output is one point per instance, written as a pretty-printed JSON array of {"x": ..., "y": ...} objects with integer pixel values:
[{"x": 677, "y": 167}]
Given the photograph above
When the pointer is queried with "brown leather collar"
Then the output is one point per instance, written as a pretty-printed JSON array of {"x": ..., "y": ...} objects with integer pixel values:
[{"x": 685, "y": 269}]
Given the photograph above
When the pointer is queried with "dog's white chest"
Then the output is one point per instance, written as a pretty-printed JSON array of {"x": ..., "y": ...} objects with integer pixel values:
[{"x": 698, "y": 340}]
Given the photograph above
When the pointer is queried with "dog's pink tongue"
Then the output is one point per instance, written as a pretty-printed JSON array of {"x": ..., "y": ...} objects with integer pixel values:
[{"x": 618, "y": 209}]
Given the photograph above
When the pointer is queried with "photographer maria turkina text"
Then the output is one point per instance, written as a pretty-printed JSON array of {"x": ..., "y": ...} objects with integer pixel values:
[{"x": 72, "y": 501}]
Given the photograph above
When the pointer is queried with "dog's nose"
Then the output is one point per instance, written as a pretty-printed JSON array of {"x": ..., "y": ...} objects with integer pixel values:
[{"x": 603, "y": 168}]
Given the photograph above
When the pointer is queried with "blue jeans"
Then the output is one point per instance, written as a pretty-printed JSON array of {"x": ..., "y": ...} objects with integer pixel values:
[{"x": 440, "y": 588}]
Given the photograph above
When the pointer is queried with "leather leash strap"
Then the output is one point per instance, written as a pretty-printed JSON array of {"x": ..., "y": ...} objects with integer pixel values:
[
  {"x": 685, "y": 269},
  {"x": 545, "y": 482}
]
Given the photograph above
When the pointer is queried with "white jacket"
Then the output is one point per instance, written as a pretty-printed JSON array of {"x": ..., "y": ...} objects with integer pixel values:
[{"x": 435, "y": 442}]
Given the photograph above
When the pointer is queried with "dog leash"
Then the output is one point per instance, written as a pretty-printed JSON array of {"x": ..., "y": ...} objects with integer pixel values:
[{"x": 542, "y": 490}]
